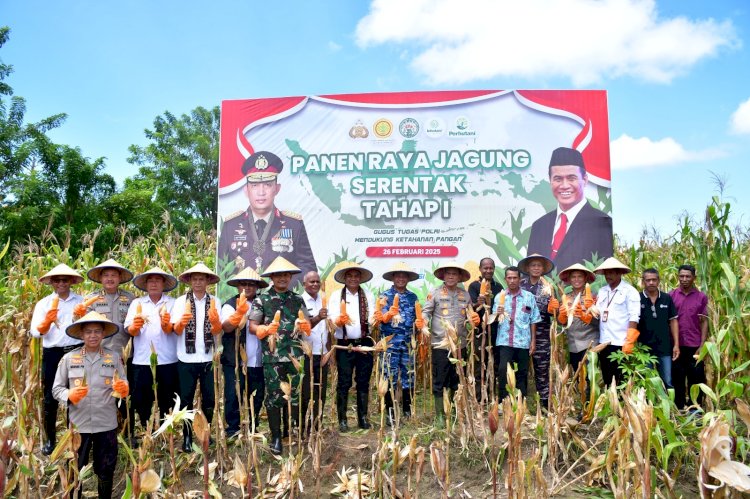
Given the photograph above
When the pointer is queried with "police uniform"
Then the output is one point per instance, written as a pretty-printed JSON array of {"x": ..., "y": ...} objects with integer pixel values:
[
  {"x": 115, "y": 308},
  {"x": 255, "y": 243}
]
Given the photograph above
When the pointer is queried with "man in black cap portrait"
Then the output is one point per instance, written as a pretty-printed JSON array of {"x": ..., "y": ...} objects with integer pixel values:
[
  {"x": 575, "y": 231},
  {"x": 255, "y": 237}
]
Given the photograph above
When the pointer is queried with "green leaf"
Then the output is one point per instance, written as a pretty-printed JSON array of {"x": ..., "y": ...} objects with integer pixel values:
[{"x": 128, "y": 492}]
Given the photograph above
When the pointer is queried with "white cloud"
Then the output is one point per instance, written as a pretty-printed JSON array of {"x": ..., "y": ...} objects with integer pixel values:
[
  {"x": 627, "y": 152},
  {"x": 584, "y": 40},
  {"x": 741, "y": 118},
  {"x": 333, "y": 46}
]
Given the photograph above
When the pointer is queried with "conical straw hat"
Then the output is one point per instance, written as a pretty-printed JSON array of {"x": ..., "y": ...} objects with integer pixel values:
[
  {"x": 401, "y": 267},
  {"x": 365, "y": 275},
  {"x": 565, "y": 274},
  {"x": 248, "y": 274},
  {"x": 523, "y": 265},
  {"x": 170, "y": 281},
  {"x": 95, "y": 274},
  {"x": 440, "y": 271},
  {"x": 199, "y": 268},
  {"x": 74, "y": 330},
  {"x": 612, "y": 263},
  {"x": 280, "y": 265},
  {"x": 61, "y": 270}
]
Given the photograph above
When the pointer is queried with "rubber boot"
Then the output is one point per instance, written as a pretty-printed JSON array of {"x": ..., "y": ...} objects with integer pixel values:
[
  {"x": 362, "y": 401},
  {"x": 274, "y": 423},
  {"x": 406, "y": 402},
  {"x": 187, "y": 438},
  {"x": 341, "y": 403},
  {"x": 104, "y": 487},
  {"x": 439, "y": 413},
  {"x": 389, "y": 416},
  {"x": 50, "y": 438}
]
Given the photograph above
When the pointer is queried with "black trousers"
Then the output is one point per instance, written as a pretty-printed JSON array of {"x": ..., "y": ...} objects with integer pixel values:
[
  {"x": 444, "y": 373},
  {"x": 358, "y": 364},
  {"x": 104, "y": 445},
  {"x": 576, "y": 358},
  {"x": 50, "y": 359},
  {"x": 610, "y": 368},
  {"x": 320, "y": 382},
  {"x": 142, "y": 394},
  {"x": 232, "y": 402},
  {"x": 519, "y": 356},
  {"x": 190, "y": 374},
  {"x": 686, "y": 372}
]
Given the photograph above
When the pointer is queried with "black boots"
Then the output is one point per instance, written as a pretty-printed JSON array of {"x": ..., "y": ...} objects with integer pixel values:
[
  {"x": 406, "y": 402},
  {"x": 274, "y": 423},
  {"x": 105, "y": 489},
  {"x": 187, "y": 438},
  {"x": 50, "y": 439},
  {"x": 341, "y": 403},
  {"x": 362, "y": 401}
]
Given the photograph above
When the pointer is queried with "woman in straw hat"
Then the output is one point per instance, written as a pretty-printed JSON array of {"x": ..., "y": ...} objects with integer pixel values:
[
  {"x": 86, "y": 380},
  {"x": 399, "y": 322},
  {"x": 52, "y": 314},
  {"x": 582, "y": 328},
  {"x": 237, "y": 337},
  {"x": 149, "y": 322}
]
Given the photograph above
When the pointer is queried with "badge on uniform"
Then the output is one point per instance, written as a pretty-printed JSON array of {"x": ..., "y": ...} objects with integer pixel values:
[
  {"x": 107, "y": 381},
  {"x": 605, "y": 314},
  {"x": 77, "y": 382}
]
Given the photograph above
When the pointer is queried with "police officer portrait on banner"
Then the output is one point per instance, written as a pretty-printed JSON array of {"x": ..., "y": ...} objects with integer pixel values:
[{"x": 254, "y": 237}]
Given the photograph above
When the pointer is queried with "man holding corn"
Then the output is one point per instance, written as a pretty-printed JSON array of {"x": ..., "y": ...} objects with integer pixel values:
[
  {"x": 52, "y": 314},
  {"x": 277, "y": 318}
]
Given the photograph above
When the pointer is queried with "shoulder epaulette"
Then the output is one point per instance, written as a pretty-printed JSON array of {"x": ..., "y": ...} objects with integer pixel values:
[
  {"x": 292, "y": 214},
  {"x": 233, "y": 215}
]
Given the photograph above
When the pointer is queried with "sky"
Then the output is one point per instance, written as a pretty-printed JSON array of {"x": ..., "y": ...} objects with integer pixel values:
[{"x": 677, "y": 73}]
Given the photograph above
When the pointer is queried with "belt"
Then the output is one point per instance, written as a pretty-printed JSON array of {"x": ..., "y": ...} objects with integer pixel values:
[{"x": 66, "y": 349}]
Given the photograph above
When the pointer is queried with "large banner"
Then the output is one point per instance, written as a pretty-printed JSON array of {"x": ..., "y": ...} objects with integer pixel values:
[{"x": 421, "y": 177}]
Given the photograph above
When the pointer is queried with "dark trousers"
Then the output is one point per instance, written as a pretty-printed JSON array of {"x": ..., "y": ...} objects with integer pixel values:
[
  {"x": 104, "y": 445},
  {"x": 50, "y": 359},
  {"x": 232, "y": 403},
  {"x": 320, "y": 387},
  {"x": 576, "y": 358},
  {"x": 142, "y": 394},
  {"x": 190, "y": 373},
  {"x": 519, "y": 356},
  {"x": 541, "y": 359},
  {"x": 353, "y": 363},
  {"x": 444, "y": 373},
  {"x": 610, "y": 368},
  {"x": 686, "y": 372}
]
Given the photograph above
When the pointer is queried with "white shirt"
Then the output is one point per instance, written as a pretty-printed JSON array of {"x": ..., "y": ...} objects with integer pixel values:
[
  {"x": 620, "y": 306},
  {"x": 252, "y": 343},
  {"x": 319, "y": 335},
  {"x": 199, "y": 313},
  {"x": 354, "y": 331},
  {"x": 55, "y": 337},
  {"x": 165, "y": 344},
  {"x": 571, "y": 214}
]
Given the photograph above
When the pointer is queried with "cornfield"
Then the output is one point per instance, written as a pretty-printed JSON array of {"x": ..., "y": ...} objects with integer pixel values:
[{"x": 594, "y": 441}]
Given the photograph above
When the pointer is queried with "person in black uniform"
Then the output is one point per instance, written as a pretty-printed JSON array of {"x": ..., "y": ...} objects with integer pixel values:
[{"x": 255, "y": 237}]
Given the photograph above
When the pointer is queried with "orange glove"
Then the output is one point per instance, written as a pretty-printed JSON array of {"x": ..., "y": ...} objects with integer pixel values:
[
  {"x": 305, "y": 327},
  {"x": 588, "y": 303},
  {"x": 630, "y": 340},
  {"x": 392, "y": 312},
  {"x": 180, "y": 326},
  {"x": 79, "y": 310},
  {"x": 344, "y": 319},
  {"x": 241, "y": 310},
  {"x": 419, "y": 323},
  {"x": 213, "y": 318},
  {"x": 562, "y": 316},
  {"x": 586, "y": 318},
  {"x": 166, "y": 322},
  {"x": 77, "y": 393},
  {"x": 378, "y": 316},
  {"x": 579, "y": 311},
  {"x": 49, "y": 319},
  {"x": 263, "y": 331},
  {"x": 135, "y": 328},
  {"x": 553, "y": 306},
  {"x": 475, "y": 319},
  {"x": 121, "y": 387}
]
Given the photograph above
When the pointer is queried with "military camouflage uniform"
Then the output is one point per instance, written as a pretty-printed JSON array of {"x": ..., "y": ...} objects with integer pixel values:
[
  {"x": 542, "y": 352},
  {"x": 397, "y": 361},
  {"x": 277, "y": 365}
]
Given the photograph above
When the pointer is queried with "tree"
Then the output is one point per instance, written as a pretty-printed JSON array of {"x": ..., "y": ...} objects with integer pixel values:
[{"x": 182, "y": 163}]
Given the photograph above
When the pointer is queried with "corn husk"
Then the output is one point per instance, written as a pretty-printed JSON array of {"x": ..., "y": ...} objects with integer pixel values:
[{"x": 397, "y": 319}]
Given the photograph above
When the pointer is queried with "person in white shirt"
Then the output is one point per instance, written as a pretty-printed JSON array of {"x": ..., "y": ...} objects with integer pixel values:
[
  {"x": 353, "y": 329},
  {"x": 149, "y": 323},
  {"x": 236, "y": 337},
  {"x": 52, "y": 314},
  {"x": 619, "y": 306},
  {"x": 196, "y": 320},
  {"x": 320, "y": 343}
]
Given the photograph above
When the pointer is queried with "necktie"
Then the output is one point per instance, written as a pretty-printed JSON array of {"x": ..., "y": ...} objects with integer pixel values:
[
  {"x": 259, "y": 226},
  {"x": 559, "y": 235}
]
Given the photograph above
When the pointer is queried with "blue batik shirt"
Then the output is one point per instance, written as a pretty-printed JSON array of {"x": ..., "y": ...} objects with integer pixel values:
[
  {"x": 521, "y": 312},
  {"x": 406, "y": 306}
]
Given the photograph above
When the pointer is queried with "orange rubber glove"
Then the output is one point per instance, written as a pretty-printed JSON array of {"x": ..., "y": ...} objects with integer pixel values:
[
  {"x": 166, "y": 322},
  {"x": 630, "y": 339},
  {"x": 213, "y": 318},
  {"x": 392, "y": 312},
  {"x": 378, "y": 316},
  {"x": 264, "y": 331},
  {"x": 241, "y": 310},
  {"x": 135, "y": 328},
  {"x": 578, "y": 311},
  {"x": 121, "y": 387},
  {"x": 553, "y": 306},
  {"x": 305, "y": 327},
  {"x": 475, "y": 319},
  {"x": 588, "y": 303},
  {"x": 419, "y": 323},
  {"x": 562, "y": 316},
  {"x": 586, "y": 318},
  {"x": 180, "y": 326},
  {"x": 344, "y": 319},
  {"x": 79, "y": 310},
  {"x": 49, "y": 319},
  {"x": 77, "y": 393}
]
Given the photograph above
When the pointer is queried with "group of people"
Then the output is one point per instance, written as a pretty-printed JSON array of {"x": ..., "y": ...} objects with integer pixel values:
[{"x": 266, "y": 335}]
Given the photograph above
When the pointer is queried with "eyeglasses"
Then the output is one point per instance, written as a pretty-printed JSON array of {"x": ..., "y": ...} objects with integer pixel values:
[
  {"x": 653, "y": 311},
  {"x": 59, "y": 280},
  {"x": 247, "y": 284}
]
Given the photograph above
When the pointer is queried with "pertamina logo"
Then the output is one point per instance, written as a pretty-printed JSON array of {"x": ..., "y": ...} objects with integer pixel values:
[
  {"x": 408, "y": 128},
  {"x": 382, "y": 128}
]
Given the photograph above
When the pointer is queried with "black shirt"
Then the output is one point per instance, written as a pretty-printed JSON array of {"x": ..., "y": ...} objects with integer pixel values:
[
  {"x": 655, "y": 330},
  {"x": 474, "y": 288}
]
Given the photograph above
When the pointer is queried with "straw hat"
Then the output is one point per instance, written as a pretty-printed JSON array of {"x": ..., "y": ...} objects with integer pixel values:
[
  {"x": 247, "y": 274},
  {"x": 75, "y": 329},
  {"x": 280, "y": 265},
  {"x": 199, "y": 268},
  {"x": 61, "y": 270},
  {"x": 612, "y": 263},
  {"x": 95, "y": 274},
  {"x": 401, "y": 267},
  {"x": 440, "y": 271},
  {"x": 170, "y": 282},
  {"x": 523, "y": 265},
  {"x": 565, "y": 274},
  {"x": 364, "y": 273}
]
